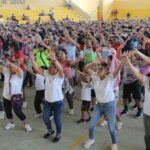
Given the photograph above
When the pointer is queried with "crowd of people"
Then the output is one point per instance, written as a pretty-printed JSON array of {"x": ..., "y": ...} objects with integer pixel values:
[{"x": 96, "y": 56}]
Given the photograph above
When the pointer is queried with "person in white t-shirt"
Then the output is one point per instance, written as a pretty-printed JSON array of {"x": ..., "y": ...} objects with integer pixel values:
[
  {"x": 39, "y": 96},
  {"x": 70, "y": 45},
  {"x": 12, "y": 94},
  {"x": 146, "y": 107},
  {"x": 103, "y": 83},
  {"x": 85, "y": 97},
  {"x": 54, "y": 98}
]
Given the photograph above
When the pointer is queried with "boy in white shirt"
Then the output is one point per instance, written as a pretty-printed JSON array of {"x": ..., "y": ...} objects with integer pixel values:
[
  {"x": 85, "y": 97},
  {"x": 39, "y": 96}
]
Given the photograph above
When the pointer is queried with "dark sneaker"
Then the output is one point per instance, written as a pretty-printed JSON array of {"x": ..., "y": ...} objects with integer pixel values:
[
  {"x": 87, "y": 120},
  {"x": 139, "y": 114},
  {"x": 48, "y": 134},
  {"x": 134, "y": 107},
  {"x": 81, "y": 121},
  {"x": 124, "y": 112},
  {"x": 56, "y": 139}
]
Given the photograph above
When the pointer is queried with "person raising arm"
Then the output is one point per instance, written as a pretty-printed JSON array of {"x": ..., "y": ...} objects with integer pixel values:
[
  {"x": 146, "y": 107},
  {"x": 54, "y": 98}
]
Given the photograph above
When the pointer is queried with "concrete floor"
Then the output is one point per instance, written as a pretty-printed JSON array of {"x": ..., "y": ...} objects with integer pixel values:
[{"x": 131, "y": 137}]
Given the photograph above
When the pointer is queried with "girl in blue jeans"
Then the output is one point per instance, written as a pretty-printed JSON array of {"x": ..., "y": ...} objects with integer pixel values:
[
  {"x": 103, "y": 83},
  {"x": 54, "y": 78}
]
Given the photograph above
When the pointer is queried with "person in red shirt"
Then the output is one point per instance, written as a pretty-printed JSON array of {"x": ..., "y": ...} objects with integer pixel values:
[{"x": 17, "y": 55}]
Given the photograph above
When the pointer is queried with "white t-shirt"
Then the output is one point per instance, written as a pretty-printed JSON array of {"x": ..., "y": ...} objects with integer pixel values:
[
  {"x": 39, "y": 82},
  {"x": 53, "y": 87},
  {"x": 71, "y": 51},
  {"x": 85, "y": 91},
  {"x": 6, "y": 92},
  {"x": 146, "y": 106},
  {"x": 16, "y": 84},
  {"x": 104, "y": 89}
]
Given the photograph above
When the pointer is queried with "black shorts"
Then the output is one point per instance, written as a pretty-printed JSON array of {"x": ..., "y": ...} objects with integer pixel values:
[
  {"x": 132, "y": 88},
  {"x": 85, "y": 105},
  {"x": 93, "y": 95}
]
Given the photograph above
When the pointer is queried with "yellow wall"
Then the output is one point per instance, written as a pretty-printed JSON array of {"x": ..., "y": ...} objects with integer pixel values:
[
  {"x": 46, "y": 3},
  {"x": 137, "y": 8},
  {"x": 132, "y": 4},
  {"x": 35, "y": 3},
  {"x": 100, "y": 10},
  {"x": 108, "y": 6}
]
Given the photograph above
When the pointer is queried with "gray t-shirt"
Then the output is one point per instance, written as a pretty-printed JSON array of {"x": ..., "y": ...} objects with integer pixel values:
[{"x": 128, "y": 76}]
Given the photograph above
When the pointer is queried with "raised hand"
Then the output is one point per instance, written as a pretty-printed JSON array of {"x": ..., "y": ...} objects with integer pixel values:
[
  {"x": 124, "y": 57},
  {"x": 32, "y": 57},
  {"x": 52, "y": 56}
]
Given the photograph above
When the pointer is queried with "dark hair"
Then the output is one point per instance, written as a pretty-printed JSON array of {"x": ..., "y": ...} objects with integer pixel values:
[
  {"x": 110, "y": 57},
  {"x": 148, "y": 75},
  {"x": 63, "y": 50},
  {"x": 106, "y": 67},
  {"x": 40, "y": 46},
  {"x": 15, "y": 45}
]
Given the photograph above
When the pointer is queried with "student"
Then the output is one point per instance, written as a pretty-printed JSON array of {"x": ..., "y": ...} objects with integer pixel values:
[
  {"x": 104, "y": 88},
  {"x": 113, "y": 62},
  {"x": 146, "y": 107},
  {"x": 131, "y": 85},
  {"x": 18, "y": 55},
  {"x": 54, "y": 99},
  {"x": 12, "y": 94},
  {"x": 66, "y": 65},
  {"x": 39, "y": 96},
  {"x": 85, "y": 97}
]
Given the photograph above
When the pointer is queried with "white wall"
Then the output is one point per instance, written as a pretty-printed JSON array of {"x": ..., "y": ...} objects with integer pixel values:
[
  {"x": 88, "y": 6},
  {"x": 108, "y": 6}
]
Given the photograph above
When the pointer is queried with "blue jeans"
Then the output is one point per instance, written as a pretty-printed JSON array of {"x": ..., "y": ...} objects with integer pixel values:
[
  {"x": 57, "y": 109},
  {"x": 109, "y": 109}
]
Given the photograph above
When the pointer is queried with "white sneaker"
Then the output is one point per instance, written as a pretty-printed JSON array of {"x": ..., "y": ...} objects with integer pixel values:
[
  {"x": 104, "y": 123},
  {"x": 51, "y": 117},
  {"x": 38, "y": 115},
  {"x": 114, "y": 147},
  {"x": 88, "y": 143},
  {"x": 25, "y": 104},
  {"x": 119, "y": 125},
  {"x": 9, "y": 126},
  {"x": 28, "y": 128},
  {"x": 71, "y": 111},
  {"x": 2, "y": 114}
]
